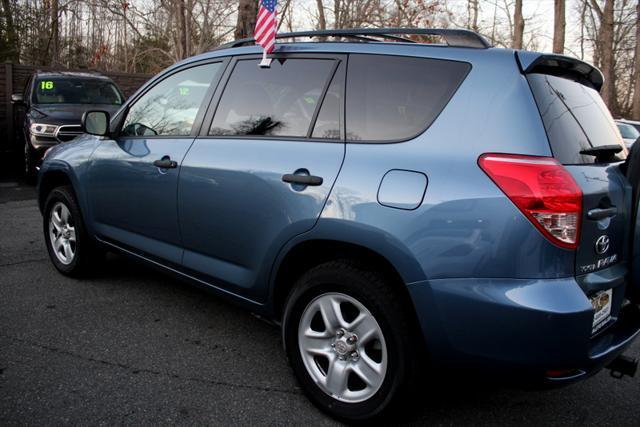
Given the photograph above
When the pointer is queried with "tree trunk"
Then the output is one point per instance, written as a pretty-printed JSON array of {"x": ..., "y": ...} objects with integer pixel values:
[
  {"x": 322, "y": 21},
  {"x": 12, "y": 40},
  {"x": 473, "y": 10},
  {"x": 182, "y": 30},
  {"x": 247, "y": 13},
  {"x": 559, "y": 24},
  {"x": 606, "y": 55},
  {"x": 55, "y": 33},
  {"x": 635, "y": 113},
  {"x": 518, "y": 24}
]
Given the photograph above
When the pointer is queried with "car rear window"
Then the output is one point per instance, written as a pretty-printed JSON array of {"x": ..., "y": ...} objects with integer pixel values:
[
  {"x": 394, "y": 98},
  {"x": 575, "y": 118}
]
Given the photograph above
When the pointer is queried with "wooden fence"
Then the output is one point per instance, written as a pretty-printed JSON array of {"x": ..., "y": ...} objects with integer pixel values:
[{"x": 13, "y": 78}]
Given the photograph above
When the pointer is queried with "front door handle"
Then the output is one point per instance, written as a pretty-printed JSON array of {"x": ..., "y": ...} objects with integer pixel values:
[
  {"x": 293, "y": 178},
  {"x": 602, "y": 213},
  {"x": 166, "y": 163}
]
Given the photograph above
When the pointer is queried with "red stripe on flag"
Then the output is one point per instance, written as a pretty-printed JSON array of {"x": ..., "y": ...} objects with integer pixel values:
[{"x": 265, "y": 30}]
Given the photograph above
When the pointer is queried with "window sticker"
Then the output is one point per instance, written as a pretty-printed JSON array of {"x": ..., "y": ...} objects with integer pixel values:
[
  {"x": 184, "y": 91},
  {"x": 46, "y": 85}
]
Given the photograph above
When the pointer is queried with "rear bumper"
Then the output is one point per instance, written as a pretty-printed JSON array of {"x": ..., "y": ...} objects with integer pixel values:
[{"x": 525, "y": 327}]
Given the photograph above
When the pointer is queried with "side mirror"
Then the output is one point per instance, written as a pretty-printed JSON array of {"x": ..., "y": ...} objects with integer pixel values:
[
  {"x": 17, "y": 98},
  {"x": 96, "y": 123}
]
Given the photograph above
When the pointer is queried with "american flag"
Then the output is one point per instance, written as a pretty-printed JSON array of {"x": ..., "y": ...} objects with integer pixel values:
[{"x": 266, "y": 25}]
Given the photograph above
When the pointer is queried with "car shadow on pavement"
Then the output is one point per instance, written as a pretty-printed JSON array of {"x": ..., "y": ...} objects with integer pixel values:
[{"x": 439, "y": 398}]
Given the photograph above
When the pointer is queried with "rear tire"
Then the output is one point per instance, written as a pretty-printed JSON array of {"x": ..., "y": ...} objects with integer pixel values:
[
  {"x": 353, "y": 379},
  {"x": 71, "y": 249}
]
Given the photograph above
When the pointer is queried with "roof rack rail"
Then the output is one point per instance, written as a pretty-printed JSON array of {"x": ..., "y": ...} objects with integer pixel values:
[{"x": 453, "y": 38}]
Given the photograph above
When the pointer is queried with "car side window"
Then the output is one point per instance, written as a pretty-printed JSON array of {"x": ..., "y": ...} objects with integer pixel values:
[
  {"x": 276, "y": 101},
  {"x": 327, "y": 125},
  {"x": 171, "y": 106},
  {"x": 392, "y": 98}
]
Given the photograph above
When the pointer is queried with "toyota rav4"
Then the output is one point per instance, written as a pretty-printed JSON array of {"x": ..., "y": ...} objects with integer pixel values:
[{"x": 391, "y": 204}]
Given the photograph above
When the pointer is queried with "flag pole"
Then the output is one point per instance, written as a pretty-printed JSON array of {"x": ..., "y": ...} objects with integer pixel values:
[{"x": 266, "y": 62}]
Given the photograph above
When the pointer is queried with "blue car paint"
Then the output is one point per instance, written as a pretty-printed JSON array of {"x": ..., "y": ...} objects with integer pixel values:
[
  {"x": 133, "y": 202},
  {"x": 236, "y": 212},
  {"x": 402, "y": 189},
  {"x": 485, "y": 284}
]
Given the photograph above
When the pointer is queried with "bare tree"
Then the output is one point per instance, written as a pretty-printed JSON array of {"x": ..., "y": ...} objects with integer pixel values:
[
  {"x": 518, "y": 26},
  {"x": 559, "y": 24}
]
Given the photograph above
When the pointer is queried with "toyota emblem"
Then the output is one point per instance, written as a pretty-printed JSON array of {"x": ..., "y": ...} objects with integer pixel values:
[{"x": 602, "y": 244}]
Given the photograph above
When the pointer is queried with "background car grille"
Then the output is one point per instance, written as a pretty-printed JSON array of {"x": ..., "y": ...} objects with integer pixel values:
[{"x": 68, "y": 132}]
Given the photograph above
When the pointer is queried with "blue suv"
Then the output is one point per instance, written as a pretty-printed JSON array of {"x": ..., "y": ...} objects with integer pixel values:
[{"x": 391, "y": 204}]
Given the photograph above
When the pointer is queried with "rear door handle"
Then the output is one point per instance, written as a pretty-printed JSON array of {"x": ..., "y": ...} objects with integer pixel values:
[
  {"x": 292, "y": 178},
  {"x": 602, "y": 213},
  {"x": 166, "y": 163}
]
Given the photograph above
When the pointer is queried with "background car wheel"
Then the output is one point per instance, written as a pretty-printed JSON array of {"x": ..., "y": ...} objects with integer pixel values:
[
  {"x": 71, "y": 249},
  {"x": 29, "y": 164},
  {"x": 349, "y": 340}
]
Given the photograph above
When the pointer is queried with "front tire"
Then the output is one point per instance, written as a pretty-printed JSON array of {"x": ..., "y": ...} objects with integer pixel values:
[
  {"x": 348, "y": 338},
  {"x": 71, "y": 249},
  {"x": 30, "y": 172}
]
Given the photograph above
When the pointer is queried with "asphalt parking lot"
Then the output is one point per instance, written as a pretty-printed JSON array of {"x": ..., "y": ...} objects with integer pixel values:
[{"x": 131, "y": 346}]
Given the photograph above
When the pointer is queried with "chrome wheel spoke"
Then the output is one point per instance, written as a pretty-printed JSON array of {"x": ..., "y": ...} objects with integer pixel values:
[
  {"x": 316, "y": 343},
  {"x": 58, "y": 243},
  {"x": 56, "y": 220},
  {"x": 64, "y": 214},
  {"x": 337, "y": 377},
  {"x": 365, "y": 327},
  {"x": 369, "y": 371},
  {"x": 72, "y": 234},
  {"x": 68, "y": 252},
  {"x": 330, "y": 310}
]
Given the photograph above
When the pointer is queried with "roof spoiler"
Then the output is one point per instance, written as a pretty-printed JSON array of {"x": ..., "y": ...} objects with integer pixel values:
[{"x": 561, "y": 66}]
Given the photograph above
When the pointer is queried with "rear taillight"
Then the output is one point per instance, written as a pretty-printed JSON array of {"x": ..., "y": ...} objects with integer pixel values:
[{"x": 543, "y": 190}]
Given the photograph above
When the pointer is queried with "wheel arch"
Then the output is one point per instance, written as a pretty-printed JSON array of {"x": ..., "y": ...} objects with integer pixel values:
[
  {"x": 310, "y": 253},
  {"x": 49, "y": 180}
]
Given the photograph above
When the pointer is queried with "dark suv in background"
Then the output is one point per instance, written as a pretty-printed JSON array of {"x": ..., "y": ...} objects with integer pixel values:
[{"x": 53, "y": 106}]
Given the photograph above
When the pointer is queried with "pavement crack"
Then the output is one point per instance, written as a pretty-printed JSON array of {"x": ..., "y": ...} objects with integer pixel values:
[{"x": 135, "y": 370}]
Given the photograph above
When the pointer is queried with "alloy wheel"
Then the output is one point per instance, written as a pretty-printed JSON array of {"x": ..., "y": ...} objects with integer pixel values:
[
  {"x": 342, "y": 347},
  {"x": 62, "y": 233}
]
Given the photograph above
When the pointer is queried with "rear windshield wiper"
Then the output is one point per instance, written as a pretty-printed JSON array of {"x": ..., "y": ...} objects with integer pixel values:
[{"x": 603, "y": 153}]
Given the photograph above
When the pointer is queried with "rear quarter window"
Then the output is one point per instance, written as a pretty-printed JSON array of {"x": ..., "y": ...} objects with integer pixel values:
[
  {"x": 574, "y": 117},
  {"x": 395, "y": 98}
]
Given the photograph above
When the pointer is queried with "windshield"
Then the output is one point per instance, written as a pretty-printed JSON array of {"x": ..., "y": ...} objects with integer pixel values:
[
  {"x": 76, "y": 91},
  {"x": 628, "y": 131}
]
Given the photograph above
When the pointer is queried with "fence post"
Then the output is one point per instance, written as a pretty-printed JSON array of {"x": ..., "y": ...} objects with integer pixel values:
[{"x": 8, "y": 67}]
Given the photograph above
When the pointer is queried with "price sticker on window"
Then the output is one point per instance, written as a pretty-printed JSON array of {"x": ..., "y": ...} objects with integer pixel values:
[{"x": 46, "y": 85}]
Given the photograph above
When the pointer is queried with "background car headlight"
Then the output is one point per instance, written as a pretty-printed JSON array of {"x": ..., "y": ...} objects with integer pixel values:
[{"x": 39, "y": 129}]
